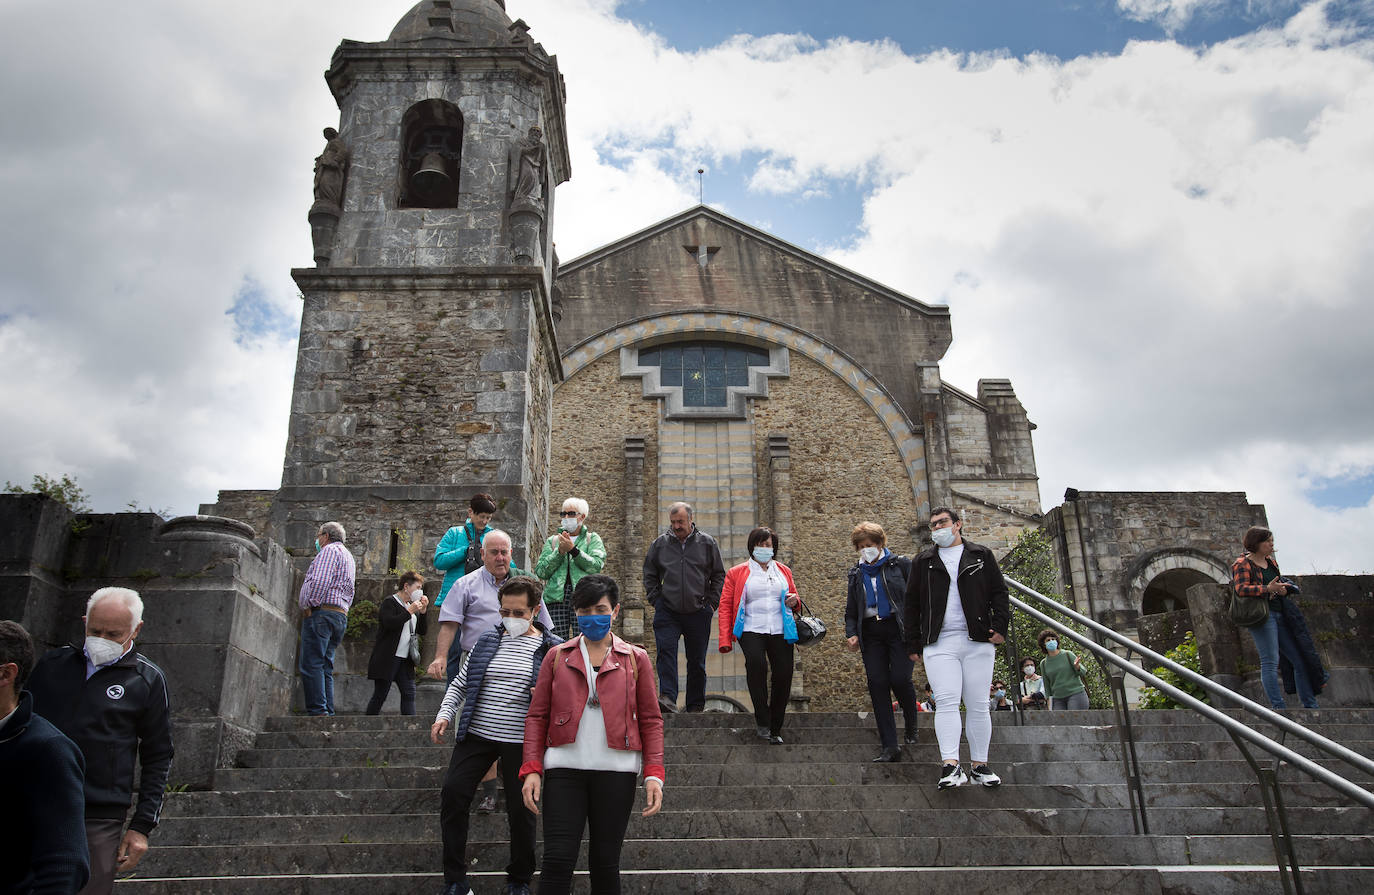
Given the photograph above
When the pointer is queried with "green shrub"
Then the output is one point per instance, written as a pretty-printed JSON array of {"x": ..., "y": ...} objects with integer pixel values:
[
  {"x": 1031, "y": 562},
  {"x": 1184, "y": 654},
  {"x": 362, "y": 621}
]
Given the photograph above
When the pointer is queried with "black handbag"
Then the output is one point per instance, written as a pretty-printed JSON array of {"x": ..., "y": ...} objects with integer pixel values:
[
  {"x": 810, "y": 629},
  {"x": 1248, "y": 612}
]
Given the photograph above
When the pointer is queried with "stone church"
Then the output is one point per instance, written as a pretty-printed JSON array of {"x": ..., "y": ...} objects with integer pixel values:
[{"x": 445, "y": 350}]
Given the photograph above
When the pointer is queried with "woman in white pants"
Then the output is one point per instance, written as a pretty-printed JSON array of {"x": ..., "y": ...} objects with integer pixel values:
[{"x": 956, "y": 614}]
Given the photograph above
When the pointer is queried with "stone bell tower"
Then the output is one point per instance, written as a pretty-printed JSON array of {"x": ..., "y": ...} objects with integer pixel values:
[{"x": 427, "y": 352}]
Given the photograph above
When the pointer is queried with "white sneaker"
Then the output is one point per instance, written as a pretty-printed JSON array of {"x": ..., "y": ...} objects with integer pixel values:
[
  {"x": 951, "y": 775},
  {"x": 983, "y": 776}
]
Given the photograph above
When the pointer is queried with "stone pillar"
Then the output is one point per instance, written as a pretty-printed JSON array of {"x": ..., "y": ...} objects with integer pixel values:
[
  {"x": 933, "y": 425},
  {"x": 632, "y": 598},
  {"x": 1218, "y": 638},
  {"x": 780, "y": 479}
]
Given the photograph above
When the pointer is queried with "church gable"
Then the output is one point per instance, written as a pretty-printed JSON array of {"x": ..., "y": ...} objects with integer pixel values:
[{"x": 704, "y": 260}]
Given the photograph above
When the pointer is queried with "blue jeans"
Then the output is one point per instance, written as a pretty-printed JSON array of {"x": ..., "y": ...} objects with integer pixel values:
[
  {"x": 695, "y": 630},
  {"x": 1273, "y": 639},
  {"x": 321, "y": 634}
]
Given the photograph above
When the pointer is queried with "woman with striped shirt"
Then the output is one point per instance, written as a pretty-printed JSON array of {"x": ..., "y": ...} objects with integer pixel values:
[{"x": 493, "y": 687}]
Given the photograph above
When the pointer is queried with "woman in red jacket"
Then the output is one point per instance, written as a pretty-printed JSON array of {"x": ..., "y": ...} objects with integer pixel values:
[
  {"x": 593, "y": 725},
  {"x": 756, "y": 609}
]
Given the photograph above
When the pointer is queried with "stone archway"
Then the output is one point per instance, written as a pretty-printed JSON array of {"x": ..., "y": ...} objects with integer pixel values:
[{"x": 1161, "y": 581}]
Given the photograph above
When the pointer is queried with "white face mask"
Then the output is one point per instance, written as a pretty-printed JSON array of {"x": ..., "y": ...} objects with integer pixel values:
[
  {"x": 516, "y": 627},
  {"x": 943, "y": 537},
  {"x": 869, "y": 554},
  {"x": 571, "y": 525},
  {"x": 102, "y": 651},
  {"x": 1030, "y": 669}
]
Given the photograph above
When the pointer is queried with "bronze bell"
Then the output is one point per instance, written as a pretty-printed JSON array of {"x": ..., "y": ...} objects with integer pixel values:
[{"x": 431, "y": 179}]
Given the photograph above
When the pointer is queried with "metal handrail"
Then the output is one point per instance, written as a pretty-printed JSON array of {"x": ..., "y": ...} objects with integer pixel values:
[
  {"x": 1231, "y": 725},
  {"x": 1281, "y": 835}
]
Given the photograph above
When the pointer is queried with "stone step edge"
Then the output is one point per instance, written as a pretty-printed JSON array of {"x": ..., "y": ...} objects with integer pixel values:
[{"x": 727, "y": 871}]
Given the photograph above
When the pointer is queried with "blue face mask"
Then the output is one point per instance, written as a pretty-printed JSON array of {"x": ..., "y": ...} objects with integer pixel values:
[
  {"x": 317, "y": 545},
  {"x": 1000, "y": 694},
  {"x": 1051, "y": 645},
  {"x": 594, "y": 627},
  {"x": 763, "y": 555}
]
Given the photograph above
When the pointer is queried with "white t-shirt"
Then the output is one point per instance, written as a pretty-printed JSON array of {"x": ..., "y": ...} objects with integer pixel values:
[{"x": 955, "y": 624}]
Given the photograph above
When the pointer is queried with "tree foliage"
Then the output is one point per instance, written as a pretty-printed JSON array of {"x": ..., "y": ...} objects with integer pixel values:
[
  {"x": 1184, "y": 654},
  {"x": 64, "y": 490},
  {"x": 1031, "y": 562}
]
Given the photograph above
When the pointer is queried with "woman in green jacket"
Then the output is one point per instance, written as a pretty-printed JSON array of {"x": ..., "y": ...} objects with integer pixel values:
[
  {"x": 1062, "y": 674},
  {"x": 567, "y": 556}
]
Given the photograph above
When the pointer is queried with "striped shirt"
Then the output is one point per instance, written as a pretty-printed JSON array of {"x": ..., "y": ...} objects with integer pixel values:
[
  {"x": 329, "y": 580},
  {"x": 504, "y": 698}
]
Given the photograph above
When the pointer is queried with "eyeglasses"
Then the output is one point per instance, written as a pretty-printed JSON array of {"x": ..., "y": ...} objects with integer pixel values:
[{"x": 568, "y": 514}]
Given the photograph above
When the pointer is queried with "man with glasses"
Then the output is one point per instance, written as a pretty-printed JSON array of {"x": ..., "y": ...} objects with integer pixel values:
[{"x": 493, "y": 687}]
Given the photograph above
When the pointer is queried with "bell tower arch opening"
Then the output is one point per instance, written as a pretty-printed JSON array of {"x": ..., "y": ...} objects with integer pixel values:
[{"x": 431, "y": 155}]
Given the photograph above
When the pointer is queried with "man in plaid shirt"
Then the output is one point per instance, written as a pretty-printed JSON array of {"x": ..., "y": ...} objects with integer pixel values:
[{"x": 325, "y": 597}]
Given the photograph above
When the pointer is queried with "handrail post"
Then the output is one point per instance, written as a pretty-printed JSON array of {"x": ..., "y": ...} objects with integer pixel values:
[
  {"x": 1277, "y": 817},
  {"x": 1134, "y": 789}
]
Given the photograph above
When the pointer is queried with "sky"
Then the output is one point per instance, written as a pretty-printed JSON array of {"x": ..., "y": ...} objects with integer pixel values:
[{"x": 1153, "y": 216}]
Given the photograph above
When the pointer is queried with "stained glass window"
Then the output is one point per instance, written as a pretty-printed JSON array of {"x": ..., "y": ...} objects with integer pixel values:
[{"x": 703, "y": 370}]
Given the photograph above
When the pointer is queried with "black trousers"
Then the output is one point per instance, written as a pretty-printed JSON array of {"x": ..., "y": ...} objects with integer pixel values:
[
  {"x": 694, "y": 629},
  {"x": 403, "y": 676},
  {"x": 762, "y": 653},
  {"x": 598, "y": 801},
  {"x": 888, "y": 668},
  {"x": 469, "y": 764}
]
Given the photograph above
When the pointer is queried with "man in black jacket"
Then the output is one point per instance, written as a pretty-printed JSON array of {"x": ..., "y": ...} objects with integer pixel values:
[
  {"x": 956, "y": 613},
  {"x": 40, "y": 786},
  {"x": 683, "y": 578},
  {"x": 112, "y": 702}
]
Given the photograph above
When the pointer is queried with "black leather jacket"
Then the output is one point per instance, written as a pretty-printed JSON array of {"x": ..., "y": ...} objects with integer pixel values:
[{"x": 982, "y": 593}]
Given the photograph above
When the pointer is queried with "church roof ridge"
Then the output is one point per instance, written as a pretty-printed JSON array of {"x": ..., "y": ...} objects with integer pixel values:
[{"x": 753, "y": 232}]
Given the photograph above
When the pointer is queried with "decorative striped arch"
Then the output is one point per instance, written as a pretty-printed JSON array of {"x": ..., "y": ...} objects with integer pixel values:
[{"x": 743, "y": 327}]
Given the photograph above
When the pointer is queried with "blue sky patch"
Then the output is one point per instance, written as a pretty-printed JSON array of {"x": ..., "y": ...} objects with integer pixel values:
[
  {"x": 1342, "y": 492},
  {"x": 256, "y": 317},
  {"x": 1063, "y": 28}
]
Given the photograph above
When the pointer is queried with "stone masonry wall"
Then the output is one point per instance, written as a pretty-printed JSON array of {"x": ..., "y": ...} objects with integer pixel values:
[
  {"x": 593, "y": 411},
  {"x": 844, "y": 469},
  {"x": 498, "y": 108},
  {"x": 1111, "y": 543},
  {"x": 411, "y": 394}
]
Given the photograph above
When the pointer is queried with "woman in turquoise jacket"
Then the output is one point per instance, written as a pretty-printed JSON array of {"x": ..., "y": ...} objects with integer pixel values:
[
  {"x": 574, "y": 552},
  {"x": 460, "y": 549}
]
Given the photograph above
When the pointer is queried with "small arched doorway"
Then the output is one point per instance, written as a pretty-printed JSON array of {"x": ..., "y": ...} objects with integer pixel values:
[{"x": 1168, "y": 591}]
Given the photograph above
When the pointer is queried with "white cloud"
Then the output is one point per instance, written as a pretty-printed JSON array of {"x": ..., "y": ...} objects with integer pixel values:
[{"x": 1165, "y": 249}]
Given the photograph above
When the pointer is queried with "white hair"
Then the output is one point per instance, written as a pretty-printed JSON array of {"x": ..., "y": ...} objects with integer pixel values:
[
  {"x": 334, "y": 531},
  {"x": 579, "y": 505},
  {"x": 682, "y": 505},
  {"x": 497, "y": 533},
  {"x": 130, "y": 598}
]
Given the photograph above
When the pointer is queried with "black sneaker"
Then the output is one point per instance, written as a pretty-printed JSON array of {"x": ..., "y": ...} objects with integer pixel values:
[
  {"x": 487, "y": 805},
  {"x": 951, "y": 775},
  {"x": 887, "y": 755},
  {"x": 762, "y": 731},
  {"x": 983, "y": 776},
  {"x": 775, "y": 739},
  {"x": 911, "y": 735}
]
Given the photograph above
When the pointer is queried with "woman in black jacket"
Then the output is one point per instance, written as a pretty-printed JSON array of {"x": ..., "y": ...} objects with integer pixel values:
[
  {"x": 400, "y": 620},
  {"x": 873, "y": 625}
]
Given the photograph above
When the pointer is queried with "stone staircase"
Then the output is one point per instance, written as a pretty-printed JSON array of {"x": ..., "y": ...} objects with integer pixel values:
[{"x": 350, "y": 805}]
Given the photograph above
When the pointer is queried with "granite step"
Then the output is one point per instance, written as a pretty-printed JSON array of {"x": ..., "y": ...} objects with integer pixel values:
[
  {"x": 363, "y": 802},
  {"x": 755, "y": 751},
  {"x": 923, "y": 770}
]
